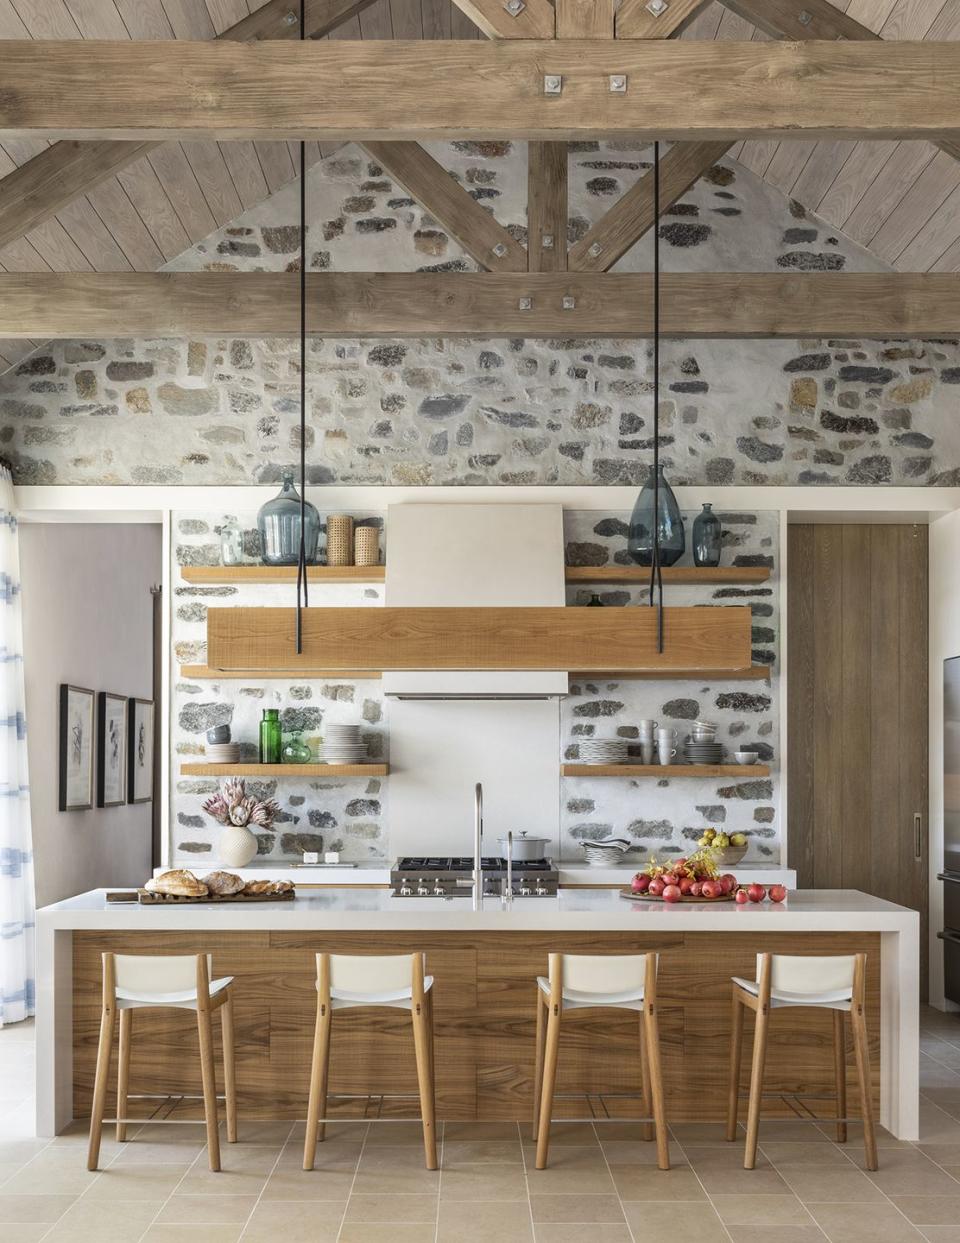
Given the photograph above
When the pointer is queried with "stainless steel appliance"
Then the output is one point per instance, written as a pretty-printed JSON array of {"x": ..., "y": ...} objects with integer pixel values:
[
  {"x": 451, "y": 876},
  {"x": 950, "y": 933}
]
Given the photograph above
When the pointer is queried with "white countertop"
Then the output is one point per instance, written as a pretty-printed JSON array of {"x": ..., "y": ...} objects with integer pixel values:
[{"x": 373, "y": 910}]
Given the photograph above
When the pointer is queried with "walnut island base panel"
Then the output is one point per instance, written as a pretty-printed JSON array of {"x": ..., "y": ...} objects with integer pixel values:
[{"x": 484, "y": 964}]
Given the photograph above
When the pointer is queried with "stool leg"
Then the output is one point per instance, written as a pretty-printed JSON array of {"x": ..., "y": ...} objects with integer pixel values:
[
  {"x": 319, "y": 1072},
  {"x": 652, "y": 1032},
  {"x": 423, "y": 1039},
  {"x": 647, "y": 1100},
  {"x": 859, "y": 1026},
  {"x": 538, "y": 1068},
  {"x": 108, "y": 1021},
  {"x": 840, "y": 1074},
  {"x": 756, "y": 1086},
  {"x": 736, "y": 1058},
  {"x": 207, "y": 1074},
  {"x": 229, "y": 1067},
  {"x": 550, "y": 1055},
  {"x": 123, "y": 1071}
]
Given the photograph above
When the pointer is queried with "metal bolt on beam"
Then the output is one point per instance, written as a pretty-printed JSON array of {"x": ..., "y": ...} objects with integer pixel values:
[
  {"x": 595, "y": 250},
  {"x": 552, "y": 84},
  {"x": 499, "y": 250},
  {"x": 804, "y": 18},
  {"x": 568, "y": 303},
  {"x": 525, "y": 304},
  {"x": 546, "y": 241},
  {"x": 657, "y": 7},
  {"x": 290, "y": 19},
  {"x": 618, "y": 84},
  {"x": 514, "y": 7}
]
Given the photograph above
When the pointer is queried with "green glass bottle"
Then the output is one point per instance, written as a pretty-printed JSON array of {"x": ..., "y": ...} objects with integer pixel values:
[{"x": 271, "y": 740}]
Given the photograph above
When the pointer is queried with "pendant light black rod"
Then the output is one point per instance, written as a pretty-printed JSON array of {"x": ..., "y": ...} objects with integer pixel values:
[
  {"x": 656, "y": 575},
  {"x": 302, "y": 587}
]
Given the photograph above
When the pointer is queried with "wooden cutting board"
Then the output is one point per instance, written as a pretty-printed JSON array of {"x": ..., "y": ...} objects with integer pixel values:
[{"x": 146, "y": 898}]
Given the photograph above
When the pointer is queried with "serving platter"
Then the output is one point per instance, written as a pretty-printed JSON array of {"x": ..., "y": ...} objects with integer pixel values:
[
  {"x": 146, "y": 898},
  {"x": 646, "y": 897}
]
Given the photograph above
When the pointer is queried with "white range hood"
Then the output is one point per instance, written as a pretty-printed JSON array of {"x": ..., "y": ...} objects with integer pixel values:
[{"x": 481, "y": 556}]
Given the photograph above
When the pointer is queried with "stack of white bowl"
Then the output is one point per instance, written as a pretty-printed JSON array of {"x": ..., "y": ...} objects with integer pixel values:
[
  {"x": 223, "y": 752},
  {"x": 342, "y": 745},
  {"x": 603, "y": 751},
  {"x": 606, "y": 853}
]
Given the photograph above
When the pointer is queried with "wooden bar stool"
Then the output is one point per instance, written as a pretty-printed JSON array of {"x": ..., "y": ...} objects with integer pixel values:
[
  {"x": 589, "y": 981},
  {"x": 346, "y": 981},
  {"x": 836, "y": 983},
  {"x": 153, "y": 982}
]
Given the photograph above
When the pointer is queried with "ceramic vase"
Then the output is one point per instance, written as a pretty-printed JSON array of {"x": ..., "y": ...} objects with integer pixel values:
[{"x": 237, "y": 846}]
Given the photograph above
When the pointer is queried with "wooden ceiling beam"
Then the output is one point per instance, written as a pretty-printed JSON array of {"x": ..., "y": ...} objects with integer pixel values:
[
  {"x": 38, "y": 189},
  {"x": 547, "y": 206},
  {"x": 425, "y": 304},
  {"x": 678, "y": 90},
  {"x": 636, "y": 21},
  {"x": 633, "y": 213},
  {"x": 585, "y": 19},
  {"x": 511, "y": 19},
  {"x": 474, "y": 228}
]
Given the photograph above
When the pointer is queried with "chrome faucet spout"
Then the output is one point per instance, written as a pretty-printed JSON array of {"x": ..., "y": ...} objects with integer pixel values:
[
  {"x": 478, "y": 848},
  {"x": 508, "y": 884}
]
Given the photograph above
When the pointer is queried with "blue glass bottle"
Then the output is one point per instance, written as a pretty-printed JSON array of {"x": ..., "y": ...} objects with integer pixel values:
[
  {"x": 707, "y": 537},
  {"x": 279, "y": 524},
  {"x": 669, "y": 523}
]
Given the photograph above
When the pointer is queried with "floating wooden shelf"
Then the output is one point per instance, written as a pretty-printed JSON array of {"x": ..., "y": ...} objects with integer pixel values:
[
  {"x": 285, "y": 770},
  {"x": 317, "y": 574},
  {"x": 665, "y": 770},
  {"x": 671, "y": 574},
  {"x": 205, "y": 672},
  {"x": 751, "y": 673}
]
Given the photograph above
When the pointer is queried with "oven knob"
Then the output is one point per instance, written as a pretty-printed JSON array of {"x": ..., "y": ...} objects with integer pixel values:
[
  {"x": 405, "y": 890},
  {"x": 438, "y": 890},
  {"x": 542, "y": 891},
  {"x": 422, "y": 890},
  {"x": 525, "y": 890}
]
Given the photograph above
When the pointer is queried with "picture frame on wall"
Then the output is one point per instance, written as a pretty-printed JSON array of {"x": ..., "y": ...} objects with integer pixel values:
[
  {"x": 77, "y": 720},
  {"x": 111, "y": 749},
  {"x": 140, "y": 751}
]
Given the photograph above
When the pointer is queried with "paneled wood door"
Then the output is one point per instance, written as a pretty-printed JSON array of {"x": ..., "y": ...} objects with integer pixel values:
[{"x": 857, "y": 711}]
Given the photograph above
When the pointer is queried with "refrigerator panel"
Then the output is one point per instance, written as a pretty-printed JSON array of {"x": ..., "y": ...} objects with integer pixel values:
[{"x": 951, "y": 765}]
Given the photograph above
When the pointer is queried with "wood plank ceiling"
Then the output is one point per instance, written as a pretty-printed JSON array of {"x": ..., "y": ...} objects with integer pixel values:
[{"x": 902, "y": 200}]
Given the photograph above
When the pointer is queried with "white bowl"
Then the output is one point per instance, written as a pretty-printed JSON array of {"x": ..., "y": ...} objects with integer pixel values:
[{"x": 745, "y": 757}]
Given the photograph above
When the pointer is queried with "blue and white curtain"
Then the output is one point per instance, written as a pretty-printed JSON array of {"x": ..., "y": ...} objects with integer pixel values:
[{"x": 17, "y": 983}]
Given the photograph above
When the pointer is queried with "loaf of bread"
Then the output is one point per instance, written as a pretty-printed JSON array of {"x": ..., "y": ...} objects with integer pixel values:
[
  {"x": 268, "y": 886},
  {"x": 223, "y": 882},
  {"x": 180, "y": 883}
]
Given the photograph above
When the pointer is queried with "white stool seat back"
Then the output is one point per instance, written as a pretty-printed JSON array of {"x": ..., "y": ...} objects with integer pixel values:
[
  {"x": 373, "y": 980},
  {"x": 823, "y": 980},
  {"x": 185, "y": 999},
  {"x": 601, "y": 980},
  {"x": 158, "y": 973},
  {"x": 573, "y": 999}
]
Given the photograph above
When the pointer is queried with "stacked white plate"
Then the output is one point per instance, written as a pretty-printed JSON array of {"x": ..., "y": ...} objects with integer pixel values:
[
  {"x": 703, "y": 752},
  {"x": 606, "y": 853},
  {"x": 223, "y": 752},
  {"x": 603, "y": 751},
  {"x": 342, "y": 745}
]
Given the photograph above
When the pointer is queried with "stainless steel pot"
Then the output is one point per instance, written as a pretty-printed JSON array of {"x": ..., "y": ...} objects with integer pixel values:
[{"x": 525, "y": 849}]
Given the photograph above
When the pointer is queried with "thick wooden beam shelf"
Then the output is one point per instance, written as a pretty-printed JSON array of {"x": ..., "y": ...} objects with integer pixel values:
[
  {"x": 671, "y": 574},
  {"x": 207, "y": 673},
  {"x": 317, "y": 574},
  {"x": 751, "y": 673},
  {"x": 665, "y": 770},
  {"x": 284, "y": 770}
]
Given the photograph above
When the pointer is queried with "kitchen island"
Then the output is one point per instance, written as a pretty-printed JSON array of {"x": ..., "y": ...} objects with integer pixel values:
[{"x": 484, "y": 963}]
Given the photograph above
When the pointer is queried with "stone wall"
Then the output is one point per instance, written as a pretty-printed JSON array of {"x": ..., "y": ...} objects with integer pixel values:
[
  {"x": 661, "y": 816},
  {"x": 494, "y": 412}
]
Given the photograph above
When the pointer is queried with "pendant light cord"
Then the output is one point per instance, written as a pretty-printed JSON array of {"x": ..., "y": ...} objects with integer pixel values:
[
  {"x": 656, "y": 576},
  {"x": 302, "y": 599}
]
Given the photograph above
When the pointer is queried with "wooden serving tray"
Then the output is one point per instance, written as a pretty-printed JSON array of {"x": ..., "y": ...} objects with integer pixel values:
[
  {"x": 643, "y": 897},
  {"x": 146, "y": 898}
]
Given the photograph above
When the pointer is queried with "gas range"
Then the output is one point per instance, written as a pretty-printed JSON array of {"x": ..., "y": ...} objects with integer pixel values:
[{"x": 451, "y": 876}]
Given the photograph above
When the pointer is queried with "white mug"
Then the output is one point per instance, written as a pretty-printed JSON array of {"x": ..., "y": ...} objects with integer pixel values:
[
  {"x": 666, "y": 734},
  {"x": 646, "y": 752},
  {"x": 646, "y": 728},
  {"x": 664, "y": 753}
]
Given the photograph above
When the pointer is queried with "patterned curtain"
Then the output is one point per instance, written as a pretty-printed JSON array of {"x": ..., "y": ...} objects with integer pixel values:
[{"x": 17, "y": 984}]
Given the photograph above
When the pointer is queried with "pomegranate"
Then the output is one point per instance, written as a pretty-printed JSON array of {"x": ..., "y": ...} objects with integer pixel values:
[
  {"x": 656, "y": 886},
  {"x": 729, "y": 882},
  {"x": 686, "y": 884},
  {"x": 711, "y": 889},
  {"x": 671, "y": 893},
  {"x": 640, "y": 883},
  {"x": 670, "y": 878},
  {"x": 756, "y": 893},
  {"x": 741, "y": 898},
  {"x": 696, "y": 889},
  {"x": 777, "y": 893}
]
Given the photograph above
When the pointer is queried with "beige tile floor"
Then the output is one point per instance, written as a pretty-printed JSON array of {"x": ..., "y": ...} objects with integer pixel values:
[{"x": 370, "y": 1186}]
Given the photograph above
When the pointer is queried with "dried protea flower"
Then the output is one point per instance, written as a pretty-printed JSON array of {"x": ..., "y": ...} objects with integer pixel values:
[
  {"x": 240, "y": 812},
  {"x": 264, "y": 813},
  {"x": 234, "y": 790},
  {"x": 216, "y": 806}
]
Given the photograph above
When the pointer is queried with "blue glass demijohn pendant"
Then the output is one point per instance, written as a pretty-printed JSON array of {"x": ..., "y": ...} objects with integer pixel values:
[
  {"x": 279, "y": 523},
  {"x": 669, "y": 522}
]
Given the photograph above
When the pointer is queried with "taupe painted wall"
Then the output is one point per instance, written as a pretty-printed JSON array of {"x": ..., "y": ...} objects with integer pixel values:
[{"x": 87, "y": 619}]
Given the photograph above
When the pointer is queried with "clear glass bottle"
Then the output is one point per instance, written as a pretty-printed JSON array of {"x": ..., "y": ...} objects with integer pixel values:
[
  {"x": 295, "y": 750},
  {"x": 279, "y": 525},
  {"x": 231, "y": 542},
  {"x": 271, "y": 738},
  {"x": 707, "y": 537},
  {"x": 669, "y": 523}
]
